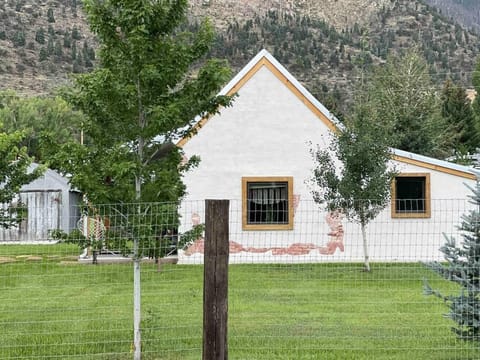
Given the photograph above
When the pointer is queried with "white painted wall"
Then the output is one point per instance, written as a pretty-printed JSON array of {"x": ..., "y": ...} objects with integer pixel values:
[
  {"x": 419, "y": 239},
  {"x": 265, "y": 133}
]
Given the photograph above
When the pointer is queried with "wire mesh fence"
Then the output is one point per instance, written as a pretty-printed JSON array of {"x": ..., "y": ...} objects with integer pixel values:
[{"x": 300, "y": 293}]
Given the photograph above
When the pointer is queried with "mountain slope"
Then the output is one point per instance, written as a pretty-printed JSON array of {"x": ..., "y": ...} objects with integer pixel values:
[
  {"x": 326, "y": 44},
  {"x": 328, "y": 59},
  {"x": 465, "y": 12},
  {"x": 339, "y": 13},
  {"x": 41, "y": 42}
]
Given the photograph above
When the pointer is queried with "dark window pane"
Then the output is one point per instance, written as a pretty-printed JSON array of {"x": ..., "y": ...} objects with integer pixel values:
[
  {"x": 267, "y": 203},
  {"x": 410, "y": 194}
]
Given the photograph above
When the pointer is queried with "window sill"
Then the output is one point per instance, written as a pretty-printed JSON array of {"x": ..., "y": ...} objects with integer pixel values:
[
  {"x": 425, "y": 215},
  {"x": 267, "y": 227}
]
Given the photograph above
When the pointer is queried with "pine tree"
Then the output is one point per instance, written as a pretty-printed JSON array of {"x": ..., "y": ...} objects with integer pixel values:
[
  {"x": 403, "y": 92},
  {"x": 40, "y": 36},
  {"x": 77, "y": 66},
  {"x": 76, "y": 33},
  {"x": 43, "y": 55},
  {"x": 58, "y": 49},
  {"x": 51, "y": 32},
  {"x": 458, "y": 114},
  {"x": 18, "y": 39},
  {"x": 50, "y": 46},
  {"x": 67, "y": 40},
  {"x": 50, "y": 16},
  {"x": 74, "y": 50},
  {"x": 463, "y": 267},
  {"x": 85, "y": 50},
  {"x": 74, "y": 8}
]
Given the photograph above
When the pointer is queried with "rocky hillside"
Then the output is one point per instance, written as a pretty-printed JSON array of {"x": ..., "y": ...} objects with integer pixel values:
[
  {"x": 466, "y": 12},
  {"x": 326, "y": 44},
  {"x": 328, "y": 50},
  {"x": 41, "y": 43},
  {"x": 338, "y": 13}
]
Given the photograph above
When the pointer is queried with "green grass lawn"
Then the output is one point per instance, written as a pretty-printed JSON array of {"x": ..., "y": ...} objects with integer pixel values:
[{"x": 53, "y": 308}]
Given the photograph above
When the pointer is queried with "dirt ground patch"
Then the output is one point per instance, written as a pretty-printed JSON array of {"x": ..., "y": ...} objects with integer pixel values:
[
  {"x": 5, "y": 259},
  {"x": 34, "y": 258}
]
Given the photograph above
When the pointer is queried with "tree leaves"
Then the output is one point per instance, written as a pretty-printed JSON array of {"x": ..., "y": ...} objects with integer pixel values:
[
  {"x": 14, "y": 173},
  {"x": 152, "y": 84},
  {"x": 353, "y": 174}
]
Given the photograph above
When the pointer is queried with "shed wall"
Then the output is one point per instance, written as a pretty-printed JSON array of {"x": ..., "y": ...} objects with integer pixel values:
[{"x": 44, "y": 213}]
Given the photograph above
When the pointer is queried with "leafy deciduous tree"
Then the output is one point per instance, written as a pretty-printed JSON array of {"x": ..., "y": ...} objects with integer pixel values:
[
  {"x": 14, "y": 163},
  {"x": 39, "y": 117},
  {"x": 152, "y": 82},
  {"x": 353, "y": 174},
  {"x": 144, "y": 94}
]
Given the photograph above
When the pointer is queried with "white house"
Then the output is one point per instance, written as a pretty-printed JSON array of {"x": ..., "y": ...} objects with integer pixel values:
[{"x": 257, "y": 154}]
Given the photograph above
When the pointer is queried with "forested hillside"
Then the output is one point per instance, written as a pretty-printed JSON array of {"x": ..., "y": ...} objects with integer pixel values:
[
  {"x": 328, "y": 59},
  {"x": 326, "y": 47},
  {"x": 41, "y": 43}
]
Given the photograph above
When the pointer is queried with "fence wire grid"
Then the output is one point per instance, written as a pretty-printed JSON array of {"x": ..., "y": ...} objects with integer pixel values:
[{"x": 66, "y": 287}]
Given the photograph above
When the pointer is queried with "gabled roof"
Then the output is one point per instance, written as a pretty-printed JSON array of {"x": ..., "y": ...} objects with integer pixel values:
[
  {"x": 50, "y": 180},
  {"x": 264, "y": 58}
]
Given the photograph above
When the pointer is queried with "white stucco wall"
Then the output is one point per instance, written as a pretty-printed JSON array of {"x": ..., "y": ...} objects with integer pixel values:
[
  {"x": 267, "y": 132},
  {"x": 264, "y": 133},
  {"x": 410, "y": 239}
]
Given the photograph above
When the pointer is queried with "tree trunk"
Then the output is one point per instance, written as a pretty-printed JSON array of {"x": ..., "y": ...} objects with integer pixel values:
[
  {"x": 365, "y": 247},
  {"x": 137, "y": 314},
  {"x": 137, "y": 318},
  {"x": 137, "y": 343}
]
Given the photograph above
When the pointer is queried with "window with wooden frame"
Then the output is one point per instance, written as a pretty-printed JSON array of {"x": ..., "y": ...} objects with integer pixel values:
[
  {"x": 411, "y": 195},
  {"x": 267, "y": 203}
]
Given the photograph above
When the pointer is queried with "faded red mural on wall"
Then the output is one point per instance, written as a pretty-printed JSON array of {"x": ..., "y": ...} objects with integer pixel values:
[{"x": 335, "y": 237}]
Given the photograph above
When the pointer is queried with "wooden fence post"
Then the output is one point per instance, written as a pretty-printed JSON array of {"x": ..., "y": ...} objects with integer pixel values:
[{"x": 215, "y": 280}]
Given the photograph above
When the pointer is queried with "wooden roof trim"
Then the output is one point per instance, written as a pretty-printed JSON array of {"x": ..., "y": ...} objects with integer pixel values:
[
  {"x": 435, "y": 167},
  {"x": 230, "y": 92},
  {"x": 300, "y": 95},
  {"x": 196, "y": 127},
  {"x": 247, "y": 77},
  {"x": 279, "y": 75}
]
